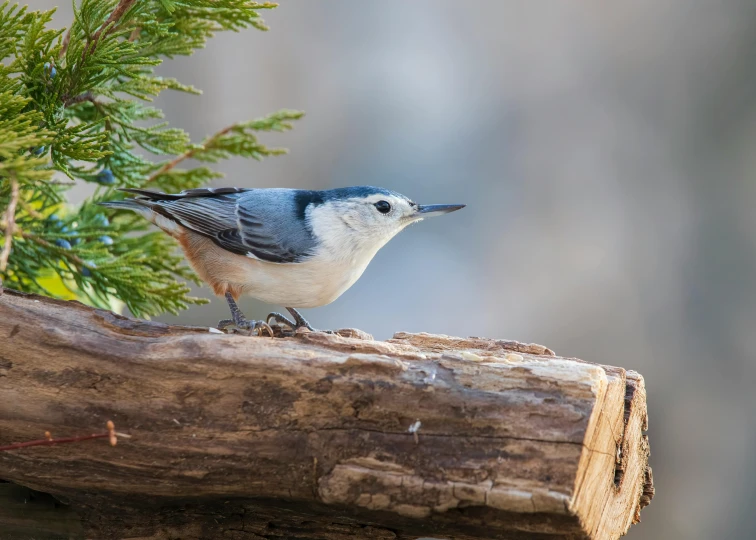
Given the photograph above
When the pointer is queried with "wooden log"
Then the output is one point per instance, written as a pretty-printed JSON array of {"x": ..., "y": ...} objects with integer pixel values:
[
  {"x": 25, "y": 514},
  {"x": 316, "y": 436}
]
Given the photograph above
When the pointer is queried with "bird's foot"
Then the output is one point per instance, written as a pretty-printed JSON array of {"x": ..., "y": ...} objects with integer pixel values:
[
  {"x": 249, "y": 326},
  {"x": 240, "y": 321},
  {"x": 281, "y": 319},
  {"x": 246, "y": 326},
  {"x": 296, "y": 324}
]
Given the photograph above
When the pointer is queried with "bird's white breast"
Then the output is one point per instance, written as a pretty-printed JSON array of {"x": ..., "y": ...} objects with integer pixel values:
[{"x": 315, "y": 282}]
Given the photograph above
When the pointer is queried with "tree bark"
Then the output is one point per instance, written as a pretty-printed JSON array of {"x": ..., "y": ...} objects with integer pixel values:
[{"x": 315, "y": 436}]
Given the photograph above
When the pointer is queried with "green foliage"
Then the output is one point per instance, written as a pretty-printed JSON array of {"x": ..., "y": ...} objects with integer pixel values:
[{"x": 74, "y": 107}]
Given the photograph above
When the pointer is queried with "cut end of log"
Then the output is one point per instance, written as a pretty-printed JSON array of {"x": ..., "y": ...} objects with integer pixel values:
[{"x": 420, "y": 435}]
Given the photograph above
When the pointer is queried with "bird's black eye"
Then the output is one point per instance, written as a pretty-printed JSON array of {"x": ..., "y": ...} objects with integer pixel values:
[{"x": 383, "y": 207}]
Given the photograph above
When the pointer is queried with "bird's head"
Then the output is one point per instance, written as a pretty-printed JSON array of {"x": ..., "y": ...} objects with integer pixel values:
[{"x": 364, "y": 218}]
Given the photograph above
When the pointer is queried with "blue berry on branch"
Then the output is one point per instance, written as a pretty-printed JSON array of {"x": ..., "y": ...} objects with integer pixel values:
[
  {"x": 86, "y": 272},
  {"x": 106, "y": 178},
  {"x": 100, "y": 220}
]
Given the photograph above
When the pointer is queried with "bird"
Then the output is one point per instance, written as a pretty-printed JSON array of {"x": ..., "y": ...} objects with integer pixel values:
[{"x": 290, "y": 247}]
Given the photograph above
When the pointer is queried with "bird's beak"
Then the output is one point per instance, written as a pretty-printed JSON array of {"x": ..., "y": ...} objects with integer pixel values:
[{"x": 429, "y": 210}]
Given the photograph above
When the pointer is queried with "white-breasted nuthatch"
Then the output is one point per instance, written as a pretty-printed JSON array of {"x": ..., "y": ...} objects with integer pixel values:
[{"x": 290, "y": 247}]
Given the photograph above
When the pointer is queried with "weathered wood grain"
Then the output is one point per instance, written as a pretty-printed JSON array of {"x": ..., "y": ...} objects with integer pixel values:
[{"x": 334, "y": 437}]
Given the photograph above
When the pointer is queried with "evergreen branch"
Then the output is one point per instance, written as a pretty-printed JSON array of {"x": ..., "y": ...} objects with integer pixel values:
[
  {"x": 188, "y": 154},
  {"x": 59, "y": 183},
  {"x": 86, "y": 96},
  {"x": 64, "y": 45},
  {"x": 10, "y": 225},
  {"x": 242, "y": 142},
  {"x": 73, "y": 102},
  {"x": 29, "y": 210},
  {"x": 45, "y": 244},
  {"x": 108, "y": 27}
]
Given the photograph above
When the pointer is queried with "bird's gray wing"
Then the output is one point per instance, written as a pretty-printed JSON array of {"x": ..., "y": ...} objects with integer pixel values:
[{"x": 255, "y": 223}]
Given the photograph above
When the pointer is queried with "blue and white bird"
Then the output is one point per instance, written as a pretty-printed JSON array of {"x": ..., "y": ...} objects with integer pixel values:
[{"x": 290, "y": 247}]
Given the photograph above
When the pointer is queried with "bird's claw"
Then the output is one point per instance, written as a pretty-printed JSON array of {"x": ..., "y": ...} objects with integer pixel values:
[
  {"x": 253, "y": 326},
  {"x": 259, "y": 327},
  {"x": 225, "y": 323},
  {"x": 282, "y": 319}
]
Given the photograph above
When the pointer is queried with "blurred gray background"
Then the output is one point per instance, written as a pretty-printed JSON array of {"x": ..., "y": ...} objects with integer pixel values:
[{"x": 606, "y": 154}]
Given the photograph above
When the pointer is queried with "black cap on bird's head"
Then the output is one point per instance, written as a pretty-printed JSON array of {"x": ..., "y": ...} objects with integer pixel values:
[
  {"x": 382, "y": 199},
  {"x": 364, "y": 217}
]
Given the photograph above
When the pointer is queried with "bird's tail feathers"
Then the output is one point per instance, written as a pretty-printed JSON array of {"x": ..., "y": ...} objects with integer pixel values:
[
  {"x": 135, "y": 205},
  {"x": 128, "y": 204},
  {"x": 186, "y": 194},
  {"x": 147, "y": 209},
  {"x": 149, "y": 194}
]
